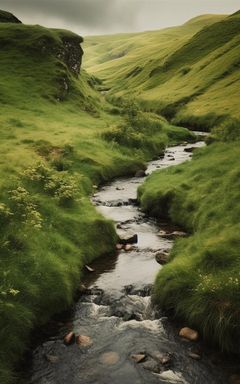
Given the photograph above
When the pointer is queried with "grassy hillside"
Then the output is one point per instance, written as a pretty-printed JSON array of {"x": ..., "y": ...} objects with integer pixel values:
[
  {"x": 189, "y": 73},
  {"x": 59, "y": 139}
]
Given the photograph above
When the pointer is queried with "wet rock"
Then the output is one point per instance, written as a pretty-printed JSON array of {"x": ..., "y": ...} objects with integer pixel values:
[
  {"x": 133, "y": 201},
  {"x": 84, "y": 341},
  {"x": 69, "y": 338},
  {"x": 138, "y": 358},
  {"x": 191, "y": 149},
  {"x": 52, "y": 359},
  {"x": 128, "y": 247},
  {"x": 162, "y": 257},
  {"x": 119, "y": 247},
  {"x": 151, "y": 365},
  {"x": 170, "y": 377},
  {"x": 234, "y": 379},
  {"x": 179, "y": 234},
  {"x": 110, "y": 358},
  {"x": 95, "y": 291},
  {"x": 172, "y": 235},
  {"x": 140, "y": 173},
  {"x": 172, "y": 159},
  {"x": 162, "y": 233},
  {"x": 189, "y": 334},
  {"x": 89, "y": 269},
  {"x": 194, "y": 356},
  {"x": 142, "y": 292},
  {"x": 129, "y": 240},
  {"x": 119, "y": 189}
]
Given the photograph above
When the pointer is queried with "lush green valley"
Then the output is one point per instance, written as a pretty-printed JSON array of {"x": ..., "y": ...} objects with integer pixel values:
[
  {"x": 190, "y": 75},
  {"x": 63, "y": 134},
  {"x": 59, "y": 140}
]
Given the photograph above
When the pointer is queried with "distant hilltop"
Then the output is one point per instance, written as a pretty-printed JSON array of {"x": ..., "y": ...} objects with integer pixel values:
[{"x": 7, "y": 17}]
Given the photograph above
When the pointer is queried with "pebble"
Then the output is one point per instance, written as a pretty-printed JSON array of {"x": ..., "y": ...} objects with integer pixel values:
[
  {"x": 69, "y": 338},
  {"x": 139, "y": 358},
  {"x": 84, "y": 341}
]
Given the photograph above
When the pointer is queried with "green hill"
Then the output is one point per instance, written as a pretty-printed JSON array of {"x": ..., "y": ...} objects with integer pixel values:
[{"x": 185, "y": 73}]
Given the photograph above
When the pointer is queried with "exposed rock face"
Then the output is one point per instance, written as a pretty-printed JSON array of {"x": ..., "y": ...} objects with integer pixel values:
[
  {"x": 6, "y": 17},
  {"x": 71, "y": 53}
]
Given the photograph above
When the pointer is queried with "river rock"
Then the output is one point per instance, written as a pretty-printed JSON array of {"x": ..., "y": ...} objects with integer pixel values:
[
  {"x": 234, "y": 379},
  {"x": 110, "y": 358},
  {"x": 179, "y": 234},
  {"x": 129, "y": 240},
  {"x": 140, "y": 173},
  {"x": 151, "y": 365},
  {"x": 69, "y": 338},
  {"x": 89, "y": 269},
  {"x": 172, "y": 235},
  {"x": 84, "y": 341},
  {"x": 119, "y": 247},
  {"x": 191, "y": 149},
  {"x": 128, "y": 247},
  {"x": 189, "y": 334},
  {"x": 138, "y": 358},
  {"x": 162, "y": 257}
]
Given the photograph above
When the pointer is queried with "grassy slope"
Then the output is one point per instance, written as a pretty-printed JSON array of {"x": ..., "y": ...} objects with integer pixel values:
[
  {"x": 186, "y": 72},
  {"x": 52, "y": 153},
  {"x": 202, "y": 281},
  {"x": 191, "y": 75}
]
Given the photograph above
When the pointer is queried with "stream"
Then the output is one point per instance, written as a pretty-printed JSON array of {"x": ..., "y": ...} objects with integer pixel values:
[{"x": 128, "y": 340}]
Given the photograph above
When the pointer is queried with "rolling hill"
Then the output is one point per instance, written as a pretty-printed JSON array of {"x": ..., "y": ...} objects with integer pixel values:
[{"x": 186, "y": 73}]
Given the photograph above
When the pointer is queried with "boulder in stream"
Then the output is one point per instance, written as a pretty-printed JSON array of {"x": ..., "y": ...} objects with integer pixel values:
[
  {"x": 189, "y": 334},
  {"x": 129, "y": 240}
]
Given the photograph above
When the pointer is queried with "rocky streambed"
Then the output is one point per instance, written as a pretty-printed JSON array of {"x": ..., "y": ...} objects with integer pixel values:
[{"x": 114, "y": 334}]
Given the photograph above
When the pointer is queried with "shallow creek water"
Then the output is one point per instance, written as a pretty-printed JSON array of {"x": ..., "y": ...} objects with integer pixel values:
[{"x": 116, "y": 312}]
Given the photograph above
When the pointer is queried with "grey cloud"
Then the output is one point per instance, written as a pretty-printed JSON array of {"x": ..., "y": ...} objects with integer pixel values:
[{"x": 109, "y": 16}]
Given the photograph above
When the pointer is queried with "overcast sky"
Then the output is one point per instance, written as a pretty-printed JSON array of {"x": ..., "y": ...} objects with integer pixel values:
[{"x": 88, "y": 17}]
